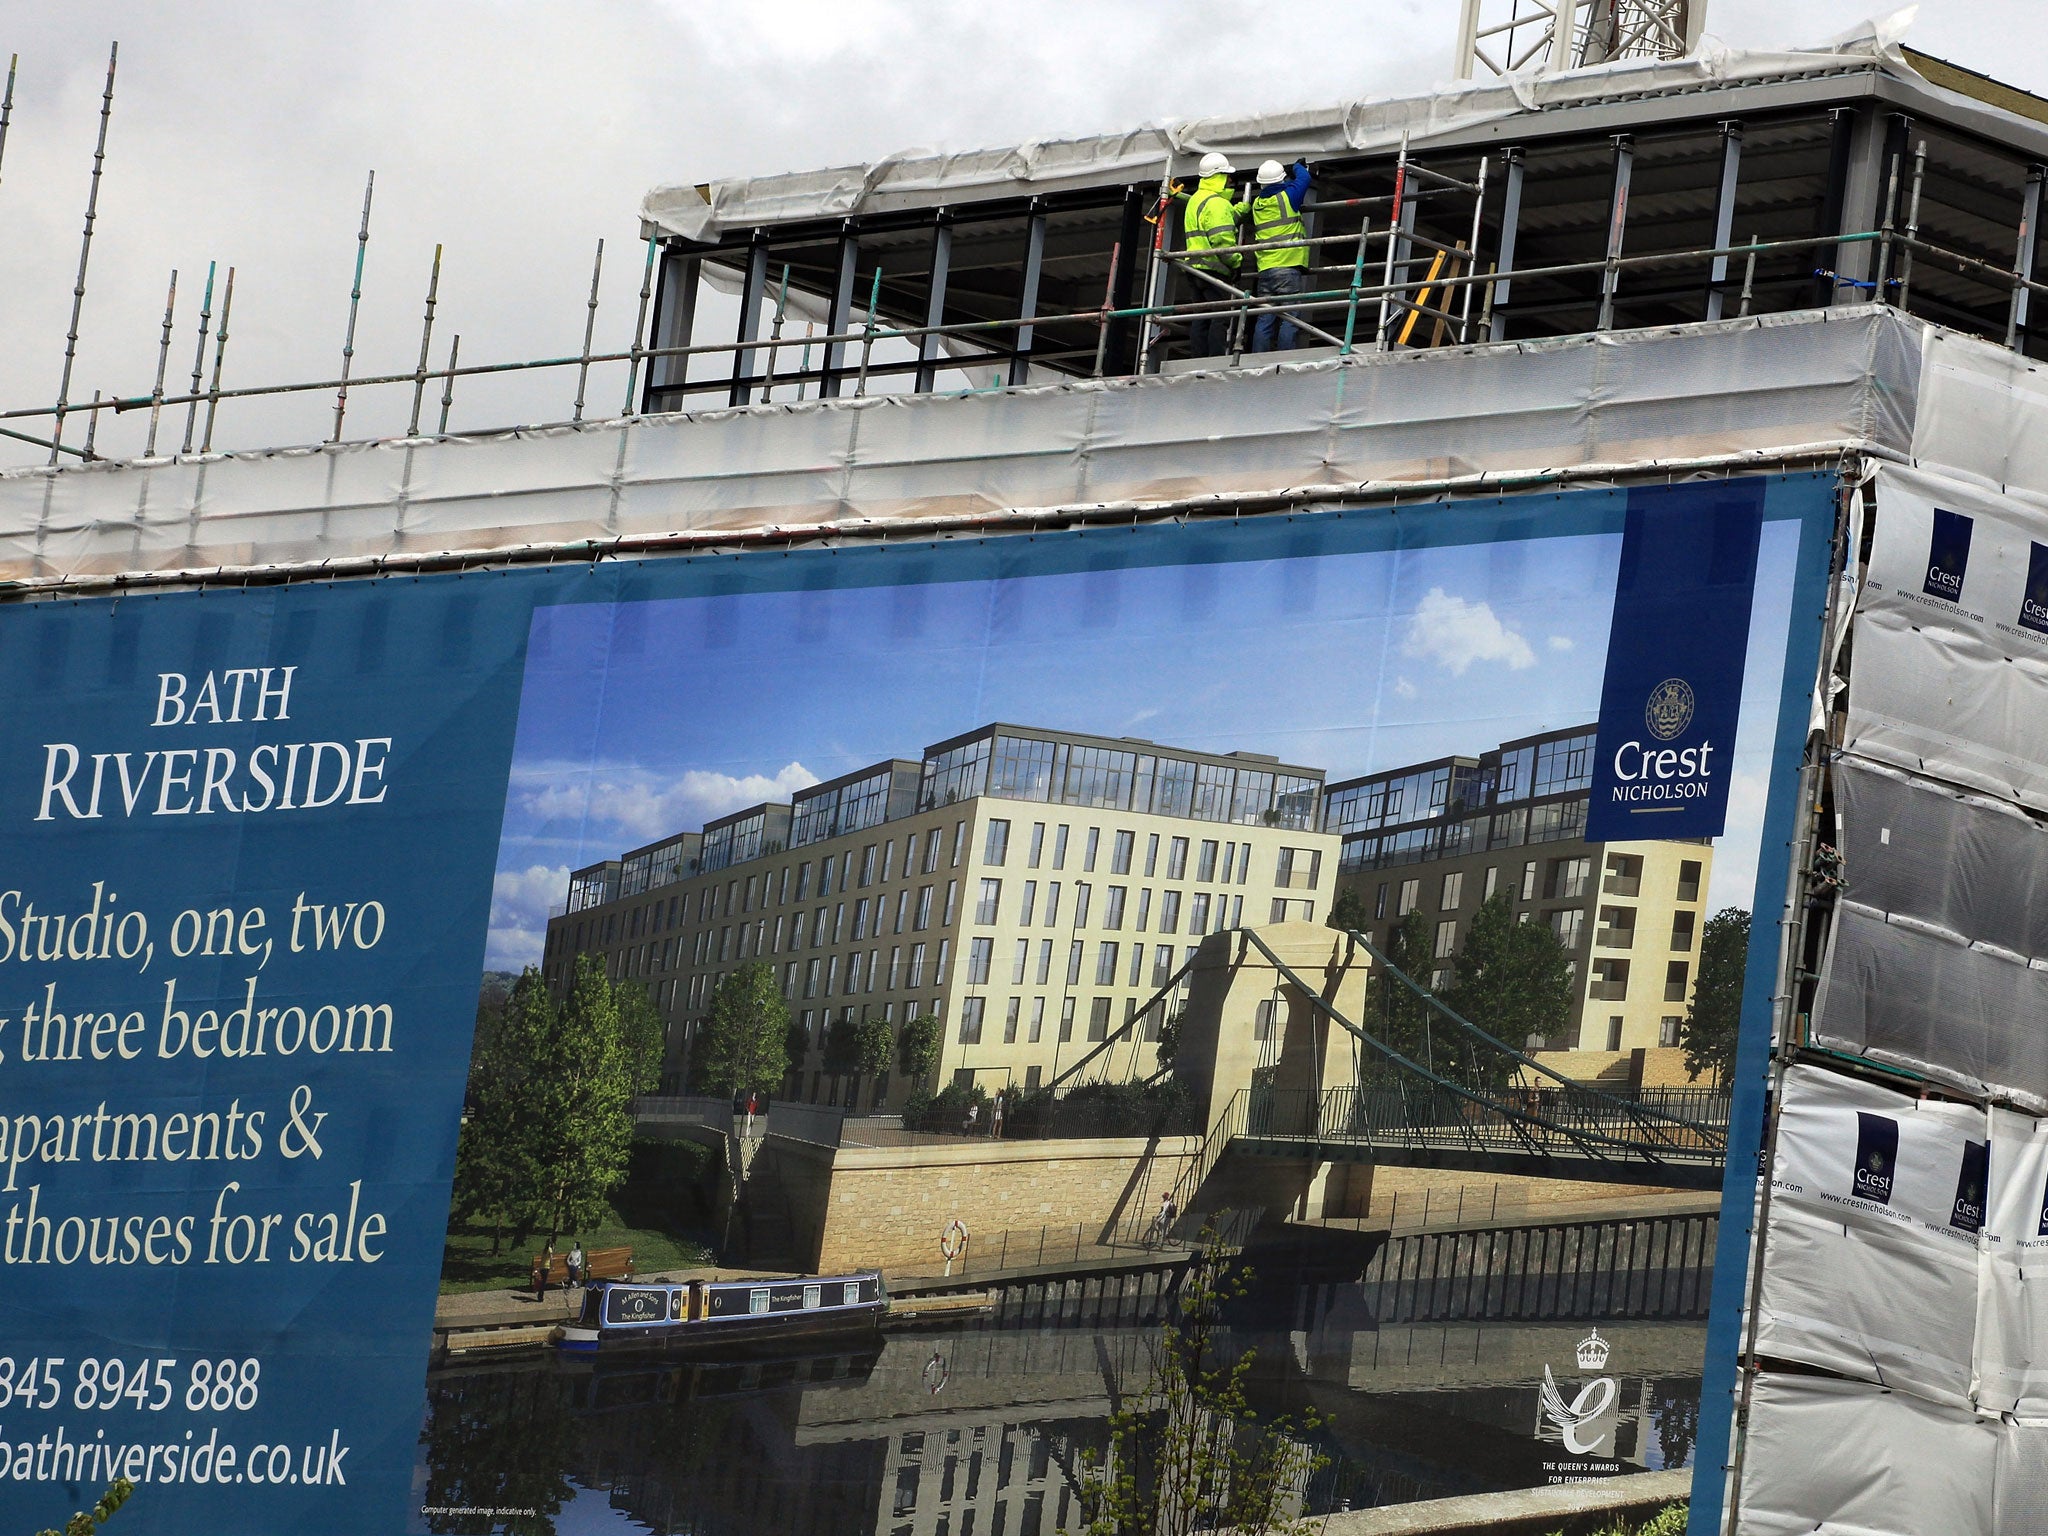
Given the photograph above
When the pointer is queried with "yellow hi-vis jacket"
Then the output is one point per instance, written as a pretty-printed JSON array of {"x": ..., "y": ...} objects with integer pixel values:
[
  {"x": 1277, "y": 230},
  {"x": 1211, "y": 220}
]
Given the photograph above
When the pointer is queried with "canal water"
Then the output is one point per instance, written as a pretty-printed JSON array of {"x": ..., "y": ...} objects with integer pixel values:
[{"x": 981, "y": 1429}]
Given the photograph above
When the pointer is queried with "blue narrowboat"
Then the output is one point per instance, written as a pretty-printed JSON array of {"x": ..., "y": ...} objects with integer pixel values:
[{"x": 739, "y": 1315}]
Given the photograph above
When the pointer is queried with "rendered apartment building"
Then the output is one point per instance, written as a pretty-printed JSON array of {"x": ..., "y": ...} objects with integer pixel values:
[
  {"x": 1031, "y": 889},
  {"x": 1441, "y": 837}
]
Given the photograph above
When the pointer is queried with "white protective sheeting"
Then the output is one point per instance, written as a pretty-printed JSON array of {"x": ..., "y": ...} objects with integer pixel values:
[
  {"x": 1844, "y": 1458},
  {"x": 1733, "y": 388},
  {"x": 1981, "y": 410},
  {"x": 1867, "y": 1270},
  {"x": 1952, "y": 684},
  {"x": 922, "y": 178},
  {"x": 2012, "y": 1307},
  {"x": 1941, "y": 944}
]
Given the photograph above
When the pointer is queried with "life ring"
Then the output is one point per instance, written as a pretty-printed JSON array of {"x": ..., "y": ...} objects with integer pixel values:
[
  {"x": 953, "y": 1241},
  {"x": 935, "y": 1374}
]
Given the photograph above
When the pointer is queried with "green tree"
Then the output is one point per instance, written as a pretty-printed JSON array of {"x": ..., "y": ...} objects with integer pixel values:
[
  {"x": 1187, "y": 1453},
  {"x": 1394, "y": 1014},
  {"x": 1349, "y": 911},
  {"x": 1713, "y": 1019},
  {"x": 1514, "y": 979},
  {"x": 918, "y": 1046},
  {"x": 550, "y": 1120},
  {"x": 745, "y": 1042},
  {"x": 88, "y": 1521}
]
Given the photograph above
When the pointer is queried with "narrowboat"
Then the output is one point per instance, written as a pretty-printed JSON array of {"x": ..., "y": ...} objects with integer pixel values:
[{"x": 739, "y": 1315}]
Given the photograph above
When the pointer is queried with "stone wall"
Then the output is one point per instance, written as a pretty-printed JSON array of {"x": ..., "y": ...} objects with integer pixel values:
[{"x": 886, "y": 1207}]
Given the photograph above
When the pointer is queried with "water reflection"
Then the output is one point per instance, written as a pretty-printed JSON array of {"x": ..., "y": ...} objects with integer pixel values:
[{"x": 980, "y": 1430}]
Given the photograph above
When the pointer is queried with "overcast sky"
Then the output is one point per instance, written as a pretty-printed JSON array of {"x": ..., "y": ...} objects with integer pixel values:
[{"x": 519, "y": 134}]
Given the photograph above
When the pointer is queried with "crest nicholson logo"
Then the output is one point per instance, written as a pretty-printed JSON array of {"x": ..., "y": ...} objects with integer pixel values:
[
  {"x": 1877, "y": 1156},
  {"x": 1970, "y": 1187},
  {"x": 2034, "y": 601},
  {"x": 1670, "y": 707},
  {"x": 1948, "y": 555}
]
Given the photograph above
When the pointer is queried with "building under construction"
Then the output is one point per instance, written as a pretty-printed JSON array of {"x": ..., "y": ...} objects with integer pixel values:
[{"x": 1661, "y": 267}]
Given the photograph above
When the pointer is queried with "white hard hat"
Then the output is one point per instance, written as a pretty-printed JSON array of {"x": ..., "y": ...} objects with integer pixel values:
[
  {"x": 1214, "y": 164},
  {"x": 1272, "y": 171}
]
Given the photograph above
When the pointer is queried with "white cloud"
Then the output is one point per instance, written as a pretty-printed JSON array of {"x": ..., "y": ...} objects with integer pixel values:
[
  {"x": 1561, "y": 642},
  {"x": 1404, "y": 689},
  {"x": 1455, "y": 633},
  {"x": 521, "y": 900},
  {"x": 628, "y": 805},
  {"x": 1733, "y": 881}
]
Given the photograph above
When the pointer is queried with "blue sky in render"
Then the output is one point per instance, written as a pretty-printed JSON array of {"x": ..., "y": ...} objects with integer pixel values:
[{"x": 643, "y": 719}]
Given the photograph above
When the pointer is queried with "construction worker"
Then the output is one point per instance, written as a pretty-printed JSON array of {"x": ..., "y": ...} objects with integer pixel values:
[
  {"x": 1282, "y": 254},
  {"x": 1210, "y": 219}
]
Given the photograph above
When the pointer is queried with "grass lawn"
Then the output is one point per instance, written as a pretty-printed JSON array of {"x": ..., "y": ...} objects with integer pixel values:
[{"x": 467, "y": 1265}]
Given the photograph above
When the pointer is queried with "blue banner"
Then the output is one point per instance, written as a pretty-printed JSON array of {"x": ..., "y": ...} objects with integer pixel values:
[{"x": 1672, "y": 695}]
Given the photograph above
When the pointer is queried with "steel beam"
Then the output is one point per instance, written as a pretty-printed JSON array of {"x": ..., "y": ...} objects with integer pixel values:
[
  {"x": 928, "y": 348},
  {"x": 1724, "y": 216},
  {"x": 840, "y": 315},
  {"x": 1027, "y": 302}
]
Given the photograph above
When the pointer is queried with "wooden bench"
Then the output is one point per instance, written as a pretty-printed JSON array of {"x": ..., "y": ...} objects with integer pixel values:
[{"x": 598, "y": 1264}]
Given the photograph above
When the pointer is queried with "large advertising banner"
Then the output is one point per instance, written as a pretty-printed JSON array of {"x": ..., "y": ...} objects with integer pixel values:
[{"x": 760, "y": 1043}]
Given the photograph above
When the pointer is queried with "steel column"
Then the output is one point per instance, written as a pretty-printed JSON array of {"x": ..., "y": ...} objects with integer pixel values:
[
  {"x": 928, "y": 348},
  {"x": 1027, "y": 302},
  {"x": 1617, "y": 226},
  {"x": 1724, "y": 217},
  {"x": 2023, "y": 259},
  {"x": 1510, "y": 221},
  {"x": 1835, "y": 200},
  {"x": 752, "y": 288},
  {"x": 675, "y": 316},
  {"x": 840, "y": 316}
]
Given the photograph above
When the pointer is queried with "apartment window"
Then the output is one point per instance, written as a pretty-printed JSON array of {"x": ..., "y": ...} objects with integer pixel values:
[
  {"x": 1177, "y": 859},
  {"x": 867, "y": 865},
  {"x": 1033, "y": 1076},
  {"x": 1681, "y": 931},
  {"x": 1198, "y": 913},
  {"x": 1082, "y": 890},
  {"x": 1262, "y": 1021},
  {"x": 979, "y": 954},
  {"x": 1121, "y": 847},
  {"x": 1453, "y": 893},
  {"x": 1667, "y": 1029},
  {"x": 916, "y": 965},
  {"x": 1567, "y": 925},
  {"x": 1617, "y": 928},
  {"x": 1037, "y": 1031},
  {"x": 1037, "y": 843},
  {"x": 1236, "y": 912},
  {"x": 1137, "y": 964},
  {"x": 1169, "y": 912},
  {"x": 959, "y": 842},
  {"x": 1059, "y": 847},
  {"x": 853, "y": 969},
  {"x": 860, "y": 919},
  {"x": 991, "y": 898},
  {"x": 1066, "y": 1020},
  {"x": 1411, "y": 897},
  {"x": 1113, "y": 908},
  {"x": 776, "y": 947},
  {"x": 725, "y": 943},
  {"x": 923, "y": 919},
  {"x": 1529, "y": 882},
  {"x": 1023, "y": 959},
  {"x": 902, "y": 906},
  {"x": 952, "y": 901},
  {"x": 1379, "y": 902},
  {"x": 1446, "y": 938},
  {"x": 1689, "y": 880},
  {"x": 1044, "y": 974},
  {"x": 1229, "y": 860},
  {"x": 1052, "y": 904},
  {"x": 1012, "y": 1015},
  {"x": 1614, "y": 1032},
  {"x": 781, "y": 891},
  {"x": 970, "y": 1020},
  {"x": 831, "y": 974},
  {"x": 1205, "y": 865},
  {"x": 1144, "y": 909},
  {"x": 1624, "y": 875},
  {"x": 1279, "y": 910},
  {"x": 909, "y": 854},
  {"x": 824, "y": 878},
  {"x": 1162, "y": 964},
  {"x": 1088, "y": 852},
  {"x": 889, "y": 861},
  {"x": 996, "y": 845},
  {"x": 838, "y": 921},
  {"x": 811, "y": 978},
  {"x": 931, "y": 850},
  {"x": 1074, "y": 963},
  {"x": 1676, "y": 974},
  {"x": 1610, "y": 981},
  {"x": 1030, "y": 901},
  {"x": 874, "y": 969},
  {"x": 1492, "y": 882},
  {"x": 1151, "y": 854},
  {"x": 788, "y": 983},
  {"x": 939, "y": 970},
  {"x": 1105, "y": 963},
  {"x": 1098, "y": 1019},
  {"x": 1569, "y": 879}
]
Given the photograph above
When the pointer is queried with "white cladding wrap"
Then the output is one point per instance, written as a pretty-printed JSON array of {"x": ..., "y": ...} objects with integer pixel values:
[
  {"x": 1866, "y": 1273},
  {"x": 1950, "y": 676},
  {"x": 2012, "y": 1344},
  {"x": 1844, "y": 1458}
]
